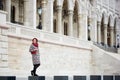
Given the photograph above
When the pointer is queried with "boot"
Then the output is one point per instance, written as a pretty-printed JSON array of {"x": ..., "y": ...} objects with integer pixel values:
[
  {"x": 32, "y": 73},
  {"x": 35, "y": 74}
]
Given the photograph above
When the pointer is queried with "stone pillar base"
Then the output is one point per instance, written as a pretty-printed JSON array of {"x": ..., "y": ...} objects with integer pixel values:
[
  {"x": 36, "y": 78},
  {"x": 5, "y": 72},
  {"x": 118, "y": 51},
  {"x": 7, "y": 78}
]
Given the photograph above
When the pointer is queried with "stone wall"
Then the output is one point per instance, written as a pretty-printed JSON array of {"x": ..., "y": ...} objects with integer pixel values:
[
  {"x": 60, "y": 59},
  {"x": 105, "y": 63},
  {"x": 3, "y": 44},
  {"x": 60, "y": 55},
  {"x": 55, "y": 59}
]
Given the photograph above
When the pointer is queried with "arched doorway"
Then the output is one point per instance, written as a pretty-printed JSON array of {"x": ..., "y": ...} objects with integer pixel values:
[
  {"x": 102, "y": 29},
  {"x": 75, "y": 20},
  {"x": 55, "y": 16},
  {"x": 108, "y": 32},
  {"x": 17, "y": 11},
  {"x": 13, "y": 14},
  {"x": 38, "y": 16},
  {"x": 88, "y": 28},
  {"x": 65, "y": 17},
  {"x": 21, "y": 11},
  {"x": 115, "y": 33},
  {"x": 1, "y": 5}
]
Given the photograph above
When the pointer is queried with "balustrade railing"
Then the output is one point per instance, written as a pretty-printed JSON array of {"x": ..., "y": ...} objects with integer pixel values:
[
  {"x": 27, "y": 32},
  {"x": 106, "y": 48}
]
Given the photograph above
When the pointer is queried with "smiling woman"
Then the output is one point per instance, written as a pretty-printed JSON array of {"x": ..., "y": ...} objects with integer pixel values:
[{"x": 35, "y": 56}]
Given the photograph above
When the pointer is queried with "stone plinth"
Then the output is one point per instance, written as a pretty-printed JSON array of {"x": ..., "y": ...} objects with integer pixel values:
[
  {"x": 3, "y": 44},
  {"x": 107, "y": 77},
  {"x": 7, "y": 78},
  {"x": 95, "y": 77},
  {"x": 79, "y": 77},
  {"x": 117, "y": 77},
  {"x": 118, "y": 50},
  {"x": 60, "y": 77},
  {"x": 36, "y": 78}
]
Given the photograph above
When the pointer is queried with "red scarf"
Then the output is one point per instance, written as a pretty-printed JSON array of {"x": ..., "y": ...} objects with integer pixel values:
[{"x": 36, "y": 45}]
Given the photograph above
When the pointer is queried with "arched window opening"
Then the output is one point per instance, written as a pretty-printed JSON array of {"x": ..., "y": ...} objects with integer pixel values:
[
  {"x": 65, "y": 17},
  {"x": 65, "y": 28},
  {"x": 55, "y": 17},
  {"x": 13, "y": 10},
  {"x": 75, "y": 21},
  {"x": 102, "y": 30},
  {"x": 108, "y": 33}
]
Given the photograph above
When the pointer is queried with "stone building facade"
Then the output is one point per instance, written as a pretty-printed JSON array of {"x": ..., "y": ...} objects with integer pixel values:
[
  {"x": 97, "y": 15},
  {"x": 69, "y": 33}
]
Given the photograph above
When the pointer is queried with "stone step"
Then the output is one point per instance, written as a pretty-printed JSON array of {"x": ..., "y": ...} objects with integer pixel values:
[
  {"x": 107, "y": 77},
  {"x": 7, "y": 77},
  {"x": 21, "y": 78},
  {"x": 60, "y": 77},
  {"x": 36, "y": 78},
  {"x": 79, "y": 78},
  {"x": 95, "y": 77},
  {"x": 117, "y": 77}
]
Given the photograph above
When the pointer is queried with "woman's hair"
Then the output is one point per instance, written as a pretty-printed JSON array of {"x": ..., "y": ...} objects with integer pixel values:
[{"x": 35, "y": 39}]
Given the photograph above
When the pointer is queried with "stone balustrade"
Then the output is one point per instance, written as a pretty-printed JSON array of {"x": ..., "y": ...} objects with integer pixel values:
[
  {"x": 25, "y": 32},
  {"x": 106, "y": 48}
]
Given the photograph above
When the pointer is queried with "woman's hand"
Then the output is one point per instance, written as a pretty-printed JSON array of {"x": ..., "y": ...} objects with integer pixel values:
[{"x": 35, "y": 49}]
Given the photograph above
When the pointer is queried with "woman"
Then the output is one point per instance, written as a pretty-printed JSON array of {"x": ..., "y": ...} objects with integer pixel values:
[{"x": 35, "y": 56}]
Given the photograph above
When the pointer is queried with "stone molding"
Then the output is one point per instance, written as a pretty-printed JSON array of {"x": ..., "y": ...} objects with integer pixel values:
[
  {"x": 52, "y": 38},
  {"x": 4, "y": 26}
]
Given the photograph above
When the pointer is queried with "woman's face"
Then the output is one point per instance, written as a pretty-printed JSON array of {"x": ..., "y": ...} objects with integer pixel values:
[{"x": 34, "y": 41}]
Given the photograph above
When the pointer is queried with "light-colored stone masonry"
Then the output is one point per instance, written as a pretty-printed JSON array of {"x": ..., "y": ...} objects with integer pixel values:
[
  {"x": 3, "y": 44},
  {"x": 55, "y": 59},
  {"x": 105, "y": 63},
  {"x": 60, "y": 55},
  {"x": 61, "y": 60},
  {"x": 119, "y": 50}
]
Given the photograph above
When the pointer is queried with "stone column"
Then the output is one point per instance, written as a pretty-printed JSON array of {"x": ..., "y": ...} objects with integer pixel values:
[
  {"x": 43, "y": 15},
  {"x": 26, "y": 13},
  {"x": 8, "y": 9},
  {"x": 70, "y": 23},
  {"x": 34, "y": 13},
  {"x": 89, "y": 28},
  {"x": 79, "y": 25},
  {"x": 112, "y": 37},
  {"x": 93, "y": 28},
  {"x": 30, "y": 13},
  {"x": 115, "y": 37},
  {"x": 49, "y": 16},
  {"x": 59, "y": 19},
  {"x": 82, "y": 23},
  {"x": 105, "y": 34},
  {"x": 99, "y": 31},
  {"x": 118, "y": 51}
]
